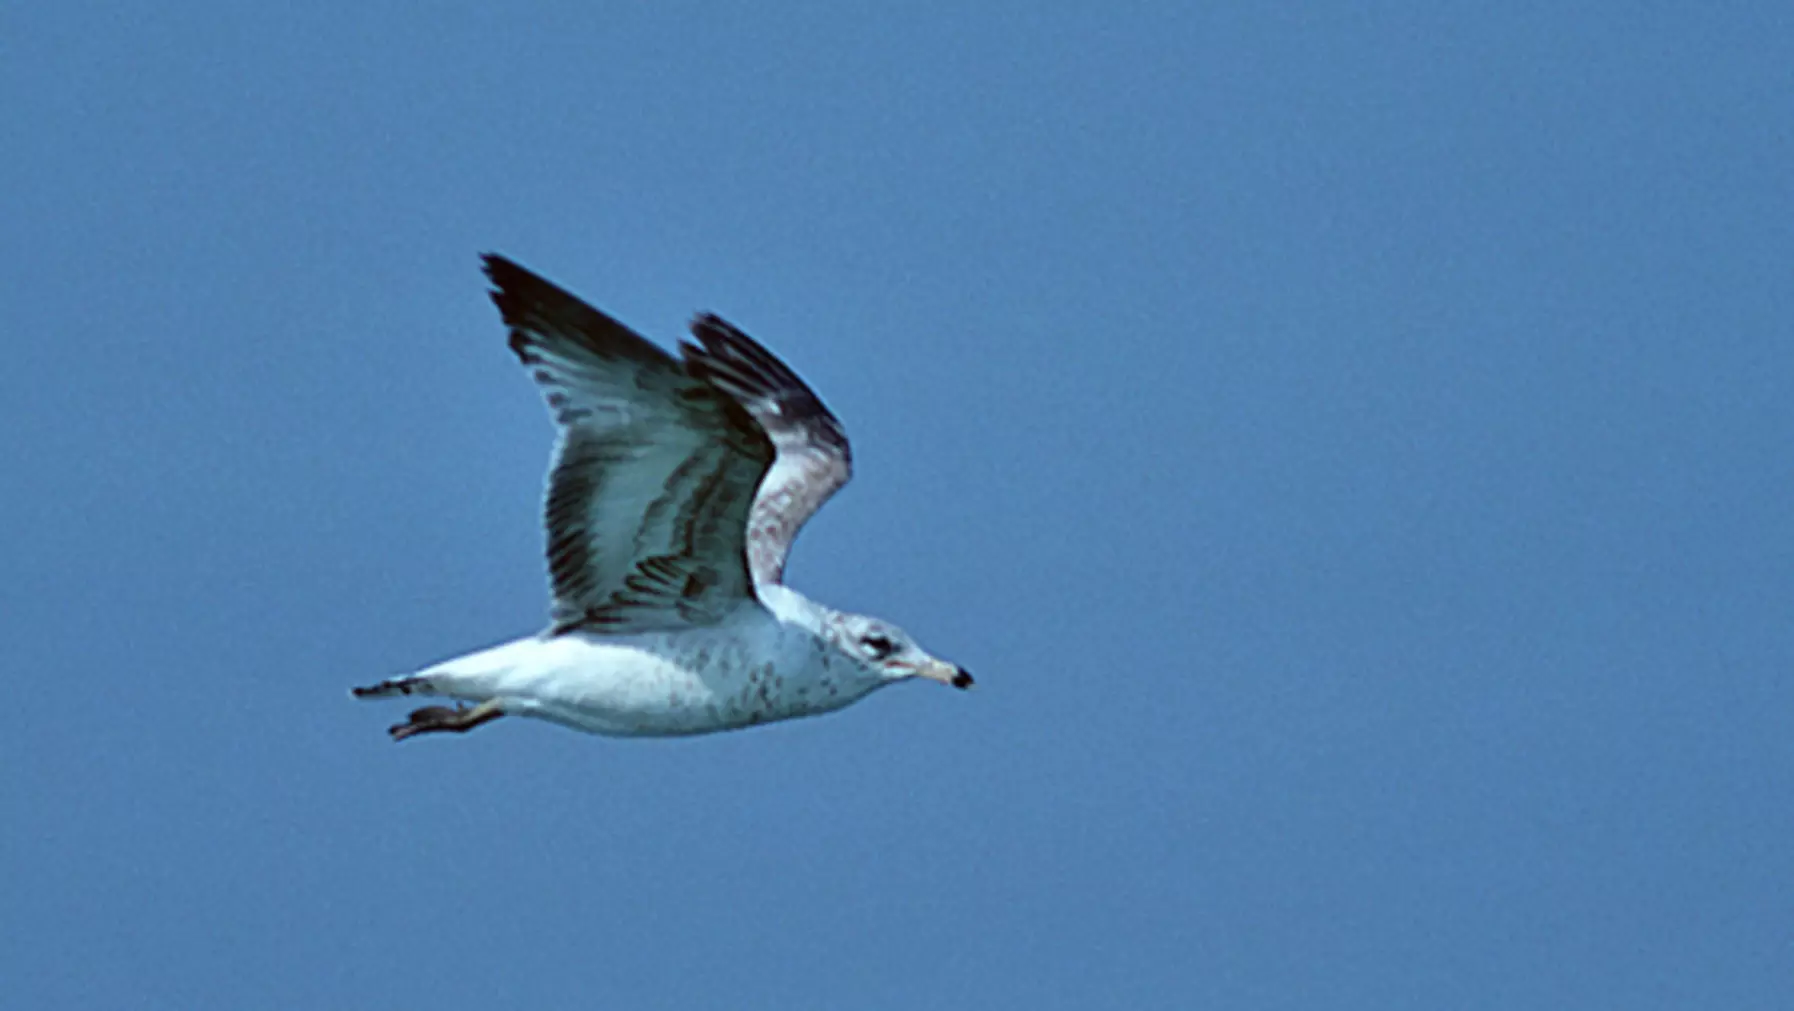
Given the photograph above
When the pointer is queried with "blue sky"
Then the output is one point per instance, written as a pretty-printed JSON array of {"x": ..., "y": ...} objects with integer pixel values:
[{"x": 1351, "y": 446}]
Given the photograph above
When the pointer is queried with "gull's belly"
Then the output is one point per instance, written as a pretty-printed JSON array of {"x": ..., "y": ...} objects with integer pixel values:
[{"x": 639, "y": 687}]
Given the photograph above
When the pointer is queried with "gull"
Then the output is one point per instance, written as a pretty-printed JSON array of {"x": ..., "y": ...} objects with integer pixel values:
[{"x": 676, "y": 489}]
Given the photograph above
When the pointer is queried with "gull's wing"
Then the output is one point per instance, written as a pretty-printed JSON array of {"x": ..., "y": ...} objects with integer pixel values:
[
  {"x": 814, "y": 460},
  {"x": 653, "y": 473}
]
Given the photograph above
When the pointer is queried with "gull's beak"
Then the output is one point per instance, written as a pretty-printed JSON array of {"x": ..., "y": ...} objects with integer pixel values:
[{"x": 945, "y": 673}]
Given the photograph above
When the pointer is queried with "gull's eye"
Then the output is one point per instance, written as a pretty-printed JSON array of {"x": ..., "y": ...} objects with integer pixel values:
[{"x": 878, "y": 646}]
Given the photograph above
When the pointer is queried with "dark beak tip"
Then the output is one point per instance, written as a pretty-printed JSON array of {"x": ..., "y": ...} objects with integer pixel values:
[{"x": 962, "y": 679}]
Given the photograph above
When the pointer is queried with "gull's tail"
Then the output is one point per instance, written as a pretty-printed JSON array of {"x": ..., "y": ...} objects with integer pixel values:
[{"x": 411, "y": 684}]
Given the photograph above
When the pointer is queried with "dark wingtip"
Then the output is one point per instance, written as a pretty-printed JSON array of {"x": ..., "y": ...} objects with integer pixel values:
[
  {"x": 963, "y": 679},
  {"x": 493, "y": 264},
  {"x": 498, "y": 270},
  {"x": 503, "y": 275},
  {"x": 509, "y": 281}
]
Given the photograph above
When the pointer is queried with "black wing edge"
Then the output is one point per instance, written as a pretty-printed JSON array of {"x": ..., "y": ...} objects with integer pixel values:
[
  {"x": 535, "y": 308},
  {"x": 739, "y": 366}
]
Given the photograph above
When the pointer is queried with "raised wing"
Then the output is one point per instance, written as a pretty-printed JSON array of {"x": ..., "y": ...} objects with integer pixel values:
[
  {"x": 814, "y": 460},
  {"x": 653, "y": 474}
]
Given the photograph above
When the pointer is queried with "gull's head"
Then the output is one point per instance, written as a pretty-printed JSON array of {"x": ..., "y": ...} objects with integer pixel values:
[{"x": 889, "y": 652}]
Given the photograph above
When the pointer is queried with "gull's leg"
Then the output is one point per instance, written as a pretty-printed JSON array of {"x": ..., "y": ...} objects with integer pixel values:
[{"x": 442, "y": 719}]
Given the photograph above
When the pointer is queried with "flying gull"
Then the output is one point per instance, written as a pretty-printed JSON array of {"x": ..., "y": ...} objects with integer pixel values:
[{"x": 677, "y": 487}]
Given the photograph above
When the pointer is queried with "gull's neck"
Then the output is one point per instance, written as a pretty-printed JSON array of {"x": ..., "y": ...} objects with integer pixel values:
[{"x": 793, "y": 608}]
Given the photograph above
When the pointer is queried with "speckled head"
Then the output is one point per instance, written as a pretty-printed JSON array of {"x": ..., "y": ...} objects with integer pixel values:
[{"x": 889, "y": 652}]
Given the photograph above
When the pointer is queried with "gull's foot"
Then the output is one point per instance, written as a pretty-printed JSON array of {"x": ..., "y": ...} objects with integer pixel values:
[{"x": 442, "y": 719}]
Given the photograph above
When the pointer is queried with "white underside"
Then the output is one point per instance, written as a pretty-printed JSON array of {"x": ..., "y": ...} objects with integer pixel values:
[{"x": 753, "y": 668}]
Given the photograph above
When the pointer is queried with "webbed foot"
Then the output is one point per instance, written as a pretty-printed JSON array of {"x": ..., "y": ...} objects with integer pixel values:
[{"x": 443, "y": 719}]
